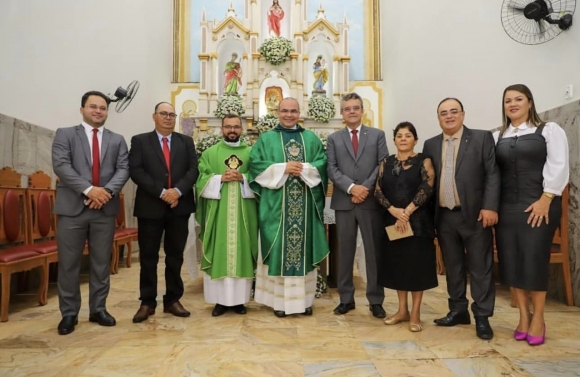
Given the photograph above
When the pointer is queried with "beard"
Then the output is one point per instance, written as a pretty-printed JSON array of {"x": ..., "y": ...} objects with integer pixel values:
[{"x": 232, "y": 138}]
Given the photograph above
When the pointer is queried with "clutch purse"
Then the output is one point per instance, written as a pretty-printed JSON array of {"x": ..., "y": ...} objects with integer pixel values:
[{"x": 394, "y": 234}]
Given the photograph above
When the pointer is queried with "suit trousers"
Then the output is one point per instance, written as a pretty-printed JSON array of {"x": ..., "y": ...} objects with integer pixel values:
[
  {"x": 73, "y": 232},
  {"x": 370, "y": 222},
  {"x": 463, "y": 246},
  {"x": 149, "y": 238}
]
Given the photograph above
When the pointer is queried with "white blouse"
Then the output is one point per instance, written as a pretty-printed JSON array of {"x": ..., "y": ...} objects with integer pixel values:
[{"x": 556, "y": 171}]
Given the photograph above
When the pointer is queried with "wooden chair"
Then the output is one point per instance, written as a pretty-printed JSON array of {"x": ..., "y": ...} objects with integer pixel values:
[
  {"x": 560, "y": 252},
  {"x": 123, "y": 236},
  {"x": 16, "y": 256}
]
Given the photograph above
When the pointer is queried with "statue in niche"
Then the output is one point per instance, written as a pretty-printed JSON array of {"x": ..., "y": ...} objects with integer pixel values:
[
  {"x": 233, "y": 76},
  {"x": 186, "y": 120},
  {"x": 273, "y": 96},
  {"x": 275, "y": 15},
  {"x": 320, "y": 74}
]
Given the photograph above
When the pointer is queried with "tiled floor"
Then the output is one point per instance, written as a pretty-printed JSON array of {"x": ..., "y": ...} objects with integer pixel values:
[{"x": 259, "y": 344}]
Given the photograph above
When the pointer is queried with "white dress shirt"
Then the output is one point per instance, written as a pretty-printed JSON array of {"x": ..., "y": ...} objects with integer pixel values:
[
  {"x": 89, "y": 132},
  {"x": 556, "y": 171},
  {"x": 358, "y": 135}
]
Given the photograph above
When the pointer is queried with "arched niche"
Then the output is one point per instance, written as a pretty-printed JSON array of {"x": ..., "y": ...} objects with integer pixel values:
[
  {"x": 273, "y": 79},
  {"x": 231, "y": 44},
  {"x": 320, "y": 46}
]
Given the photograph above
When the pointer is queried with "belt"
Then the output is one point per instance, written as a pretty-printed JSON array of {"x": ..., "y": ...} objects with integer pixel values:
[{"x": 454, "y": 209}]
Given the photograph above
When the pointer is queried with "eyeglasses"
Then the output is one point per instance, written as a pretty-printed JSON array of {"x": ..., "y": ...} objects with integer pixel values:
[
  {"x": 354, "y": 108},
  {"x": 288, "y": 111},
  {"x": 165, "y": 114},
  {"x": 230, "y": 128},
  {"x": 453, "y": 112}
]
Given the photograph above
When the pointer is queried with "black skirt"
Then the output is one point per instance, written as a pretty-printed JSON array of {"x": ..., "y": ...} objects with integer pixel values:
[
  {"x": 408, "y": 264},
  {"x": 524, "y": 252}
]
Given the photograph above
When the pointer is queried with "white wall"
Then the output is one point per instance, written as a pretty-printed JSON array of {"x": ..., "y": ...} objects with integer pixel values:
[
  {"x": 447, "y": 48},
  {"x": 51, "y": 52}
]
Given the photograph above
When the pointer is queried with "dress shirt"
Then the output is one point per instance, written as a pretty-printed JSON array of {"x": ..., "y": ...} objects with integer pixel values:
[
  {"x": 358, "y": 135},
  {"x": 457, "y": 142},
  {"x": 160, "y": 137},
  {"x": 556, "y": 171}
]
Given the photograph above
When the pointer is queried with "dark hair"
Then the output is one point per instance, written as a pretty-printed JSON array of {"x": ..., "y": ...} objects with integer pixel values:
[
  {"x": 94, "y": 93},
  {"x": 449, "y": 99},
  {"x": 231, "y": 116},
  {"x": 161, "y": 103},
  {"x": 405, "y": 126},
  {"x": 533, "y": 116},
  {"x": 348, "y": 97}
]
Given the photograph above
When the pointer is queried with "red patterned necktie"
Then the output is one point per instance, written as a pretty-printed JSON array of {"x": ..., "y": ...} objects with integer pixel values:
[
  {"x": 354, "y": 141},
  {"x": 96, "y": 159},
  {"x": 167, "y": 156}
]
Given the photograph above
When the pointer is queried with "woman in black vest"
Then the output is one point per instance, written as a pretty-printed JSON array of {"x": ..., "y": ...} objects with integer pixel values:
[{"x": 533, "y": 159}]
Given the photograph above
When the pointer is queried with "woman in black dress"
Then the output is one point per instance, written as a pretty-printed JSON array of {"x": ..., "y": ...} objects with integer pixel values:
[
  {"x": 404, "y": 188},
  {"x": 533, "y": 159}
]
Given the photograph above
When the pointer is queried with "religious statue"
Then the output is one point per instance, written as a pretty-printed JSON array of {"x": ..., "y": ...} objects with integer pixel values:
[
  {"x": 272, "y": 104},
  {"x": 188, "y": 110},
  {"x": 233, "y": 76},
  {"x": 320, "y": 73},
  {"x": 275, "y": 15}
]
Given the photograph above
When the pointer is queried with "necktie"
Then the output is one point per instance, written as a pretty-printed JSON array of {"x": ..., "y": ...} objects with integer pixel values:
[
  {"x": 167, "y": 160},
  {"x": 354, "y": 141},
  {"x": 449, "y": 172},
  {"x": 96, "y": 159}
]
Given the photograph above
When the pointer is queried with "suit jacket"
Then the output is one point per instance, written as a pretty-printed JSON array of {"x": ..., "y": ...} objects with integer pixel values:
[
  {"x": 345, "y": 169},
  {"x": 71, "y": 162},
  {"x": 476, "y": 173},
  {"x": 149, "y": 172}
]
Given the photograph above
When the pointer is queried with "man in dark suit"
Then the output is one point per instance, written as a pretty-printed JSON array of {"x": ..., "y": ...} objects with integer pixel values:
[
  {"x": 92, "y": 166},
  {"x": 163, "y": 165},
  {"x": 354, "y": 154},
  {"x": 468, "y": 186}
]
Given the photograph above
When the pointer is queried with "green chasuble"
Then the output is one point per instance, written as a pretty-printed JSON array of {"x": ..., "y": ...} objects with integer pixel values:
[
  {"x": 229, "y": 226},
  {"x": 292, "y": 233}
]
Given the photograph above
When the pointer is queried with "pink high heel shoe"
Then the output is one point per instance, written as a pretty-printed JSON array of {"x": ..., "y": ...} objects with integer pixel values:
[
  {"x": 537, "y": 340},
  {"x": 520, "y": 335}
]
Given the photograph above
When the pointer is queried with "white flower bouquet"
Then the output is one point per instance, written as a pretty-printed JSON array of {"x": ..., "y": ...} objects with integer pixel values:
[
  {"x": 324, "y": 139},
  {"x": 321, "y": 109},
  {"x": 266, "y": 123},
  {"x": 229, "y": 104},
  {"x": 276, "y": 50}
]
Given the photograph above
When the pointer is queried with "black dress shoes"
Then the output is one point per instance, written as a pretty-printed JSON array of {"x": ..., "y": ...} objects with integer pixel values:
[
  {"x": 67, "y": 324},
  {"x": 483, "y": 328},
  {"x": 279, "y": 313},
  {"x": 344, "y": 308},
  {"x": 143, "y": 313},
  {"x": 240, "y": 309},
  {"x": 308, "y": 311},
  {"x": 377, "y": 310},
  {"x": 454, "y": 318},
  {"x": 102, "y": 318},
  {"x": 219, "y": 310},
  {"x": 177, "y": 310}
]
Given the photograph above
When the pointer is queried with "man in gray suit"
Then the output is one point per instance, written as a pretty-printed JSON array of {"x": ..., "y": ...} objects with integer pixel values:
[
  {"x": 468, "y": 187},
  {"x": 92, "y": 165},
  {"x": 354, "y": 154}
]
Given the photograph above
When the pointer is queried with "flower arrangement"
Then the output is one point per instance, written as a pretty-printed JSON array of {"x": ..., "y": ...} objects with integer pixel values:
[
  {"x": 321, "y": 109},
  {"x": 229, "y": 104},
  {"x": 210, "y": 140},
  {"x": 267, "y": 123},
  {"x": 321, "y": 285},
  {"x": 324, "y": 139},
  {"x": 276, "y": 50}
]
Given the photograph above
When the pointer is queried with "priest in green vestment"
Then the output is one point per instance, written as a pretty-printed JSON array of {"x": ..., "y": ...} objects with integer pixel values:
[
  {"x": 288, "y": 174},
  {"x": 228, "y": 217}
]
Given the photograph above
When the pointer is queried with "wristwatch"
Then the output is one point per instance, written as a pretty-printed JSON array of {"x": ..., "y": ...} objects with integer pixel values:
[{"x": 549, "y": 195}]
